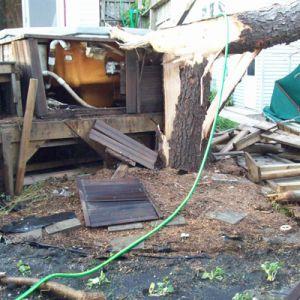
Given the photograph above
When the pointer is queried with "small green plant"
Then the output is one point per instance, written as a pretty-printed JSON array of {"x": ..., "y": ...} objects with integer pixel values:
[
  {"x": 271, "y": 269},
  {"x": 161, "y": 288},
  {"x": 224, "y": 124},
  {"x": 216, "y": 274},
  {"x": 23, "y": 268},
  {"x": 243, "y": 296},
  {"x": 98, "y": 281}
]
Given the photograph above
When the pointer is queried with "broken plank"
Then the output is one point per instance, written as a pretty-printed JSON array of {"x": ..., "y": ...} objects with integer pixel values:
[
  {"x": 121, "y": 171},
  {"x": 253, "y": 170},
  {"x": 248, "y": 140},
  {"x": 283, "y": 138},
  {"x": 124, "y": 139},
  {"x": 121, "y": 149},
  {"x": 229, "y": 146},
  {"x": 26, "y": 132}
]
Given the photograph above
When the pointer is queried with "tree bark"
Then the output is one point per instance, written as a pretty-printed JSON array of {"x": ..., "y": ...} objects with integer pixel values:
[{"x": 185, "y": 149}]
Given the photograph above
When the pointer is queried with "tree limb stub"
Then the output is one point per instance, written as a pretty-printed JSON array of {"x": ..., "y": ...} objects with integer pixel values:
[
  {"x": 248, "y": 31},
  {"x": 57, "y": 289}
]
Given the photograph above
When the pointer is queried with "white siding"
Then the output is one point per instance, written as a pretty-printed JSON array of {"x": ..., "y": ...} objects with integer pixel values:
[
  {"x": 270, "y": 65},
  {"x": 84, "y": 13}
]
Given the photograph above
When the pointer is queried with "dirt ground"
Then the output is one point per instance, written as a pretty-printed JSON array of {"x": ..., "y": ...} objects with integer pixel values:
[{"x": 209, "y": 240}]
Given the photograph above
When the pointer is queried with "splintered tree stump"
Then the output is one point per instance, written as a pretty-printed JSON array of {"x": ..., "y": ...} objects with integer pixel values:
[{"x": 185, "y": 149}]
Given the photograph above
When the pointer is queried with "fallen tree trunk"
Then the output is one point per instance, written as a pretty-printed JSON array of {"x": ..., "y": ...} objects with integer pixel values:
[
  {"x": 249, "y": 31},
  {"x": 57, "y": 289}
]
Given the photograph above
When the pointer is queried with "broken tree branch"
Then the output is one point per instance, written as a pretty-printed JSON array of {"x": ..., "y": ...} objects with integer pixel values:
[
  {"x": 248, "y": 31},
  {"x": 59, "y": 290},
  {"x": 231, "y": 82}
]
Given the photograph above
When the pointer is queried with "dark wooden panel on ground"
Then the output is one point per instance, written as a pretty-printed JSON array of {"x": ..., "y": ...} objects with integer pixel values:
[{"x": 114, "y": 202}]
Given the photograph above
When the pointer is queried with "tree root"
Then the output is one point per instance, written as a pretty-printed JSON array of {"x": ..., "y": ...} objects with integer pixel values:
[{"x": 57, "y": 289}]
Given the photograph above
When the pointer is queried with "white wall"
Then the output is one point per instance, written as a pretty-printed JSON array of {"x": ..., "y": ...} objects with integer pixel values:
[
  {"x": 60, "y": 13},
  {"x": 270, "y": 65},
  {"x": 85, "y": 13}
]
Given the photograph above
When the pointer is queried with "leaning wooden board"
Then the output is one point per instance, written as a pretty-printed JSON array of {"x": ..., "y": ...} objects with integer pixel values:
[{"x": 122, "y": 144}]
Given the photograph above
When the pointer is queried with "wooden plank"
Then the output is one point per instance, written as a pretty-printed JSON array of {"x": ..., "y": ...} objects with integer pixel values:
[
  {"x": 283, "y": 138},
  {"x": 57, "y": 129},
  {"x": 121, "y": 149},
  {"x": 290, "y": 127},
  {"x": 7, "y": 163},
  {"x": 290, "y": 155},
  {"x": 229, "y": 146},
  {"x": 280, "y": 167},
  {"x": 121, "y": 171},
  {"x": 273, "y": 174},
  {"x": 131, "y": 81},
  {"x": 171, "y": 85},
  {"x": 248, "y": 140},
  {"x": 26, "y": 131},
  {"x": 253, "y": 170},
  {"x": 124, "y": 139},
  {"x": 28, "y": 62},
  {"x": 285, "y": 184},
  {"x": 17, "y": 98},
  {"x": 120, "y": 157}
]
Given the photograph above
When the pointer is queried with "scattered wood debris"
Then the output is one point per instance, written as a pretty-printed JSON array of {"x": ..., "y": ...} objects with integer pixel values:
[{"x": 269, "y": 152}]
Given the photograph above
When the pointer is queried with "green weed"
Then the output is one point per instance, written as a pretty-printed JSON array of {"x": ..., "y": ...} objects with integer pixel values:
[
  {"x": 161, "y": 288},
  {"x": 216, "y": 274},
  {"x": 271, "y": 269},
  {"x": 98, "y": 281},
  {"x": 243, "y": 296},
  {"x": 23, "y": 268}
]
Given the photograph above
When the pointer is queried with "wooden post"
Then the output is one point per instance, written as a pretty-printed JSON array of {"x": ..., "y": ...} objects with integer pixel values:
[
  {"x": 7, "y": 162},
  {"x": 25, "y": 138}
]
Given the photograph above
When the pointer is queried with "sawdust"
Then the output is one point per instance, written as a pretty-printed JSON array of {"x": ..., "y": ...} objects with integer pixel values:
[{"x": 167, "y": 190}]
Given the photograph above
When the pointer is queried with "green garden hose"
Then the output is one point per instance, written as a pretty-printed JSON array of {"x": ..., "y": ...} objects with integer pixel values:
[{"x": 166, "y": 221}]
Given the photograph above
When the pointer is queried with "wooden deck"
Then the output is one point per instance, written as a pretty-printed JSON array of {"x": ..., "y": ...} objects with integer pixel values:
[{"x": 44, "y": 133}]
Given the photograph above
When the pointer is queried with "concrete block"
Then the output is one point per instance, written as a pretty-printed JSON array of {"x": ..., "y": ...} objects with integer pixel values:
[
  {"x": 122, "y": 242},
  {"x": 228, "y": 216},
  {"x": 63, "y": 226}
]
